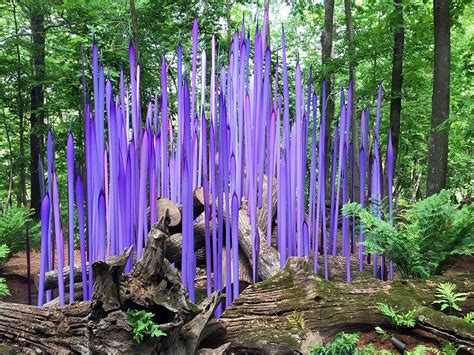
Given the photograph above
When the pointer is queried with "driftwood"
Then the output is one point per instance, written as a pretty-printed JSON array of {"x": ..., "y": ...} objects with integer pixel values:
[
  {"x": 277, "y": 315},
  {"x": 101, "y": 325}
]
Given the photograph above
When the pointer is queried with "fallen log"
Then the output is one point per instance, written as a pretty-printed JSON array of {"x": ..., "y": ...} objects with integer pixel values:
[
  {"x": 51, "y": 277},
  {"x": 175, "y": 211},
  {"x": 262, "y": 320},
  {"x": 101, "y": 325},
  {"x": 268, "y": 262}
]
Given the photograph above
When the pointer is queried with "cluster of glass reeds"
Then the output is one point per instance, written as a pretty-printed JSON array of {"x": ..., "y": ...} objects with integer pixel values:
[{"x": 232, "y": 131}]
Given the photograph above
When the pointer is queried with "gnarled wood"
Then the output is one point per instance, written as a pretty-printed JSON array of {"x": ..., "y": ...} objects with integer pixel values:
[{"x": 101, "y": 325}]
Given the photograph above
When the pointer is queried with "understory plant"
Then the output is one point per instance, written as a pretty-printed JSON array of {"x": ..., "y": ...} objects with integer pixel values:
[
  {"x": 13, "y": 222},
  {"x": 343, "y": 343},
  {"x": 404, "y": 320},
  {"x": 4, "y": 291},
  {"x": 371, "y": 349},
  {"x": 469, "y": 317},
  {"x": 442, "y": 229},
  {"x": 449, "y": 348},
  {"x": 4, "y": 251},
  {"x": 382, "y": 333},
  {"x": 143, "y": 325},
  {"x": 426, "y": 235},
  {"x": 447, "y": 297}
]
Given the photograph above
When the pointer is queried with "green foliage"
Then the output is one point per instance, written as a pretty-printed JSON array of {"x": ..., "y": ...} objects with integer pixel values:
[
  {"x": 448, "y": 298},
  {"x": 422, "y": 350},
  {"x": 433, "y": 230},
  {"x": 4, "y": 251},
  {"x": 406, "y": 320},
  {"x": 382, "y": 333},
  {"x": 343, "y": 343},
  {"x": 450, "y": 349},
  {"x": 469, "y": 317},
  {"x": 441, "y": 229},
  {"x": 383, "y": 238},
  {"x": 4, "y": 291},
  {"x": 371, "y": 349},
  {"x": 13, "y": 222},
  {"x": 143, "y": 325}
]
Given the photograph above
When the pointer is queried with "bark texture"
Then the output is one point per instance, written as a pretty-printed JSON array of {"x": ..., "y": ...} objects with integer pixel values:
[
  {"x": 326, "y": 45},
  {"x": 38, "y": 37},
  {"x": 397, "y": 77},
  {"x": 277, "y": 315},
  {"x": 438, "y": 144},
  {"x": 101, "y": 325}
]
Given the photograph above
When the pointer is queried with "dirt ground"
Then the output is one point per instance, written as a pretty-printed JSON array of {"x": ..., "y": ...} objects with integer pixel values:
[
  {"x": 15, "y": 274},
  {"x": 410, "y": 341}
]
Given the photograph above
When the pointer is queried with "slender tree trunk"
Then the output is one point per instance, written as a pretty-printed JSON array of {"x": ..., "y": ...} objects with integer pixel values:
[
  {"x": 438, "y": 145},
  {"x": 326, "y": 44},
  {"x": 326, "y": 49},
  {"x": 397, "y": 78},
  {"x": 21, "y": 113},
  {"x": 352, "y": 75},
  {"x": 135, "y": 35},
  {"x": 10, "y": 155},
  {"x": 38, "y": 37},
  {"x": 228, "y": 5}
]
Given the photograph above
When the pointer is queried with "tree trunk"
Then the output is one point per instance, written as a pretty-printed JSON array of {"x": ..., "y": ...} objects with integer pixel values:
[
  {"x": 277, "y": 315},
  {"x": 228, "y": 6},
  {"x": 438, "y": 144},
  {"x": 352, "y": 76},
  {"x": 135, "y": 35},
  {"x": 326, "y": 51},
  {"x": 38, "y": 37},
  {"x": 21, "y": 113},
  {"x": 10, "y": 160},
  {"x": 397, "y": 78}
]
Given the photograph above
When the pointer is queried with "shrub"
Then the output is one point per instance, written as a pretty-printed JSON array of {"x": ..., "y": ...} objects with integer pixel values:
[
  {"x": 442, "y": 229},
  {"x": 13, "y": 222},
  {"x": 343, "y": 343},
  {"x": 4, "y": 251},
  {"x": 433, "y": 230},
  {"x": 447, "y": 298},
  {"x": 406, "y": 320},
  {"x": 383, "y": 238},
  {"x": 143, "y": 325}
]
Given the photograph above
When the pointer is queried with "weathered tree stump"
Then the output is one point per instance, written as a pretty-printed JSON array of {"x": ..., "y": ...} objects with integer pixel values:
[{"x": 101, "y": 325}]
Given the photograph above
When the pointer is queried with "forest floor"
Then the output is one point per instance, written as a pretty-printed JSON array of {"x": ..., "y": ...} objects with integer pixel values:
[{"x": 15, "y": 274}]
